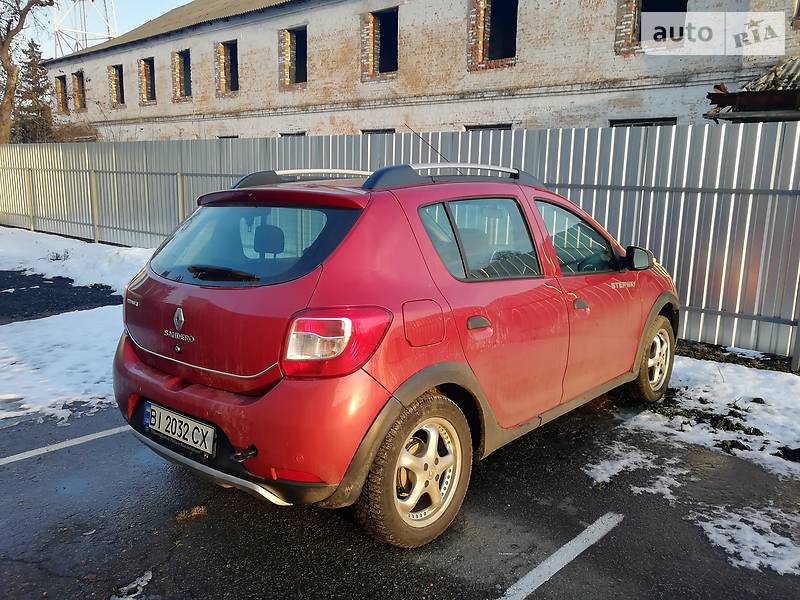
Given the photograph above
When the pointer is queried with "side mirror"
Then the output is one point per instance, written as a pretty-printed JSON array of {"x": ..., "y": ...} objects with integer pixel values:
[{"x": 638, "y": 259}]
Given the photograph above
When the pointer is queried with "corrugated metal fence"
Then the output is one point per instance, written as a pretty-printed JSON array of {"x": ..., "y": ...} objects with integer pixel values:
[{"x": 718, "y": 204}]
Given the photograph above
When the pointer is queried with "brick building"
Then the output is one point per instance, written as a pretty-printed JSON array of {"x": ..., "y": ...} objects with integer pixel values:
[{"x": 250, "y": 68}]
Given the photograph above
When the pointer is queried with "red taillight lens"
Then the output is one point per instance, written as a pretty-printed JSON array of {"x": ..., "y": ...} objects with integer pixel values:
[{"x": 330, "y": 342}]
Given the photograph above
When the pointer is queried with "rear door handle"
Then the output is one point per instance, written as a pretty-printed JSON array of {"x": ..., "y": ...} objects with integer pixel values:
[
  {"x": 580, "y": 304},
  {"x": 478, "y": 322}
]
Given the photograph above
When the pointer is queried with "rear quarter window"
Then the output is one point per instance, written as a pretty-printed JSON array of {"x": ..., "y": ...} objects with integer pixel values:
[{"x": 231, "y": 245}]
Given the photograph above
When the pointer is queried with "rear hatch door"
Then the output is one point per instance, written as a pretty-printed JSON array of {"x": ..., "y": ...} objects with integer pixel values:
[{"x": 214, "y": 304}]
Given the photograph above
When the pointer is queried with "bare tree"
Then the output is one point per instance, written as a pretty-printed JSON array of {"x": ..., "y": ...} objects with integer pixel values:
[{"x": 13, "y": 17}]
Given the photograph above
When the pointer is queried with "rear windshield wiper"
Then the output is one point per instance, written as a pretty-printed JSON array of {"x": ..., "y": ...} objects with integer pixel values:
[{"x": 212, "y": 273}]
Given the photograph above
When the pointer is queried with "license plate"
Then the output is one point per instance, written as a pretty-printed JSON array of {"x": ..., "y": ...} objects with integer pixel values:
[{"x": 179, "y": 428}]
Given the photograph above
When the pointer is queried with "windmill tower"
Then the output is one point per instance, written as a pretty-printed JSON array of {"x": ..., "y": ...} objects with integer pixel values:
[{"x": 78, "y": 24}]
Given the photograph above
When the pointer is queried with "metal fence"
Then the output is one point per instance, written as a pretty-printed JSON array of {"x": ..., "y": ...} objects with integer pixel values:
[{"x": 719, "y": 205}]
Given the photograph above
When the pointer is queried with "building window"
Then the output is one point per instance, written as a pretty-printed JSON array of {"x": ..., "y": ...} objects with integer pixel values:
[
  {"x": 492, "y": 33},
  {"x": 116, "y": 82},
  {"x": 645, "y": 122},
  {"x": 147, "y": 81},
  {"x": 379, "y": 44},
  {"x": 385, "y": 131},
  {"x": 629, "y": 21},
  {"x": 293, "y": 134},
  {"x": 293, "y": 57},
  {"x": 490, "y": 127},
  {"x": 78, "y": 91},
  {"x": 61, "y": 95},
  {"x": 227, "y": 67},
  {"x": 182, "y": 76},
  {"x": 227, "y": 137}
]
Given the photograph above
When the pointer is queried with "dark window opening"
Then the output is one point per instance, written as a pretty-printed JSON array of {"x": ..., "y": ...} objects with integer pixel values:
[
  {"x": 377, "y": 131},
  {"x": 663, "y": 6},
  {"x": 298, "y": 48},
  {"x": 501, "y": 26},
  {"x": 118, "y": 85},
  {"x": 184, "y": 64},
  {"x": 385, "y": 45},
  {"x": 227, "y": 137},
  {"x": 149, "y": 79},
  {"x": 293, "y": 134},
  {"x": 490, "y": 127},
  {"x": 79, "y": 90},
  {"x": 61, "y": 94},
  {"x": 230, "y": 66},
  {"x": 643, "y": 122}
]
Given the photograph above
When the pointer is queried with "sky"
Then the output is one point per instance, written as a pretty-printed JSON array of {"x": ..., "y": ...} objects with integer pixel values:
[{"x": 130, "y": 14}]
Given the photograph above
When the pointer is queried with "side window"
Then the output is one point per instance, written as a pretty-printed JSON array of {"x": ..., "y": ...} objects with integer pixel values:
[
  {"x": 495, "y": 239},
  {"x": 579, "y": 247},
  {"x": 436, "y": 223}
]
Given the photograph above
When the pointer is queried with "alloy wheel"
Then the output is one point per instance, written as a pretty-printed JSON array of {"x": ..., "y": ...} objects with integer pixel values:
[
  {"x": 658, "y": 359},
  {"x": 427, "y": 472}
]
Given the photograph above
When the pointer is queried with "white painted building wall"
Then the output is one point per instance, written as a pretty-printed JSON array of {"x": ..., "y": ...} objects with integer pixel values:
[{"x": 566, "y": 74}]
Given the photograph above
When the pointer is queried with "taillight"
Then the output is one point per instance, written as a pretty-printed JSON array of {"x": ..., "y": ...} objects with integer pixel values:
[{"x": 330, "y": 342}]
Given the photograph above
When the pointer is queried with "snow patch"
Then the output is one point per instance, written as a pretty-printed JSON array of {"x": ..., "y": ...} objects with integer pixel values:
[
  {"x": 755, "y": 539},
  {"x": 663, "y": 484},
  {"x": 83, "y": 262},
  {"x": 58, "y": 364},
  {"x": 619, "y": 457},
  {"x": 762, "y": 405},
  {"x": 135, "y": 588},
  {"x": 744, "y": 352}
]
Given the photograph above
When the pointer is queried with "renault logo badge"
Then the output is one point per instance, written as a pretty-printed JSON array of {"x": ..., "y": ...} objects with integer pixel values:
[{"x": 178, "y": 319}]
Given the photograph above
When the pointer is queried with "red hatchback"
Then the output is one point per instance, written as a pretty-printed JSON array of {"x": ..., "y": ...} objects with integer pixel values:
[{"x": 363, "y": 341}]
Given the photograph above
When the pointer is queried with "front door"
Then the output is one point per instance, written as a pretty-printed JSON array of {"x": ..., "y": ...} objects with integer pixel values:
[
  {"x": 604, "y": 310},
  {"x": 511, "y": 319}
]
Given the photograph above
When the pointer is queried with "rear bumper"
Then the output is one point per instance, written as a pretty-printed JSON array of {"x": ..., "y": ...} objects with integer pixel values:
[
  {"x": 223, "y": 479},
  {"x": 319, "y": 432}
]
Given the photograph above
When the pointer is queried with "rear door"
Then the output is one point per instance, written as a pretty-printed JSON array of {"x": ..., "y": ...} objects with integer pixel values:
[
  {"x": 511, "y": 318},
  {"x": 603, "y": 307}
]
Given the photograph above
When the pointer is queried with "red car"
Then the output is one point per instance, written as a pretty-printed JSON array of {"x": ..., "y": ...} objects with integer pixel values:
[{"x": 361, "y": 342}]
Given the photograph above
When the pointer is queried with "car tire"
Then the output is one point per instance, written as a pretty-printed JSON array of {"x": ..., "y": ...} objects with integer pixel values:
[
  {"x": 655, "y": 367},
  {"x": 399, "y": 503}
]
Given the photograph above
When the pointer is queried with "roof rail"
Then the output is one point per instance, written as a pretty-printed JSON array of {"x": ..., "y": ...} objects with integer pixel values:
[
  {"x": 272, "y": 177},
  {"x": 405, "y": 175}
]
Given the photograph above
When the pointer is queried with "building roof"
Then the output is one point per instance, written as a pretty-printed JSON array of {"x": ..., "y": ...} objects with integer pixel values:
[
  {"x": 783, "y": 76},
  {"x": 772, "y": 96},
  {"x": 188, "y": 15}
]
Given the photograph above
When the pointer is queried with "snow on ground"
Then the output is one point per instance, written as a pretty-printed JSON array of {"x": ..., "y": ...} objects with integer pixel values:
[
  {"x": 754, "y": 539},
  {"x": 743, "y": 352},
  {"x": 55, "y": 256},
  {"x": 750, "y": 413},
  {"x": 48, "y": 364},
  {"x": 619, "y": 457}
]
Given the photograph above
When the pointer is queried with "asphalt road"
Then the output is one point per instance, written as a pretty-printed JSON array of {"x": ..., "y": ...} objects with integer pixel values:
[{"x": 86, "y": 521}]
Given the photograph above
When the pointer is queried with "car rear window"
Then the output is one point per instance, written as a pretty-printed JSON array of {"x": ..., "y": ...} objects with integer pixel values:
[{"x": 233, "y": 246}]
